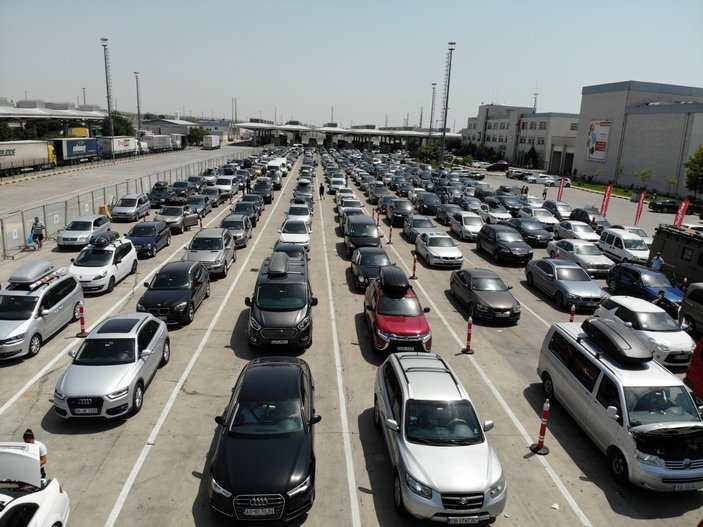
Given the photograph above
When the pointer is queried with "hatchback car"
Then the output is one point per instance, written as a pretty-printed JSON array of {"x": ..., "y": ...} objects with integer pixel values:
[
  {"x": 101, "y": 265},
  {"x": 493, "y": 211},
  {"x": 113, "y": 367},
  {"x": 559, "y": 209},
  {"x": 366, "y": 264},
  {"x": 199, "y": 204},
  {"x": 585, "y": 254},
  {"x": 239, "y": 226},
  {"x": 175, "y": 292},
  {"x": 565, "y": 282},
  {"x": 485, "y": 295},
  {"x": 263, "y": 465},
  {"x": 215, "y": 248},
  {"x": 78, "y": 232},
  {"x": 503, "y": 243},
  {"x": 179, "y": 218},
  {"x": 131, "y": 207},
  {"x": 590, "y": 216},
  {"x": 295, "y": 231},
  {"x": 299, "y": 212},
  {"x": 438, "y": 249},
  {"x": 149, "y": 237}
]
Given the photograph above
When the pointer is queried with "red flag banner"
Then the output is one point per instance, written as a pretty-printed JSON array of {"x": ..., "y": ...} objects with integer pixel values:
[
  {"x": 681, "y": 212},
  {"x": 640, "y": 206},
  {"x": 606, "y": 199},
  {"x": 561, "y": 188}
]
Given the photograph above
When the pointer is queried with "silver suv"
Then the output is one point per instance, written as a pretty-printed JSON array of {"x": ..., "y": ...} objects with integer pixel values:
[
  {"x": 431, "y": 429},
  {"x": 38, "y": 302}
]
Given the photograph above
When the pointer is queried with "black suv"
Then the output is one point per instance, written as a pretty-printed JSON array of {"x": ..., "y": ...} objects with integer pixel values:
[
  {"x": 159, "y": 194},
  {"x": 281, "y": 306},
  {"x": 360, "y": 231},
  {"x": 591, "y": 216},
  {"x": 397, "y": 210},
  {"x": 503, "y": 243},
  {"x": 263, "y": 188}
]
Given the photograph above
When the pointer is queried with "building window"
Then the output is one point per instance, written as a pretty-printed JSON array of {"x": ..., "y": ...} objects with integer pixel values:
[
  {"x": 522, "y": 140},
  {"x": 687, "y": 254},
  {"x": 540, "y": 140},
  {"x": 543, "y": 125},
  {"x": 530, "y": 140},
  {"x": 524, "y": 125},
  {"x": 502, "y": 126},
  {"x": 574, "y": 126},
  {"x": 489, "y": 126},
  {"x": 533, "y": 125}
]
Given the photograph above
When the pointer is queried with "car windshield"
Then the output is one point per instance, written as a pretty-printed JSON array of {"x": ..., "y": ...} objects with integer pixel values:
[
  {"x": 142, "y": 230},
  {"x": 169, "y": 280},
  {"x": 178, "y": 184},
  {"x": 588, "y": 250},
  {"x": 403, "y": 206},
  {"x": 225, "y": 182},
  {"x": 244, "y": 206},
  {"x": 442, "y": 422},
  {"x": 171, "y": 211},
  {"x": 423, "y": 223},
  {"x": 509, "y": 237},
  {"x": 266, "y": 418},
  {"x": 540, "y": 213},
  {"x": 440, "y": 241},
  {"x": 638, "y": 232},
  {"x": 202, "y": 243},
  {"x": 105, "y": 352},
  {"x": 93, "y": 257},
  {"x": 399, "y": 307},
  {"x": 280, "y": 297},
  {"x": 495, "y": 207},
  {"x": 196, "y": 200},
  {"x": 14, "y": 307},
  {"x": 488, "y": 284},
  {"x": 581, "y": 228},
  {"x": 660, "y": 404},
  {"x": 471, "y": 220},
  {"x": 513, "y": 202},
  {"x": 363, "y": 230},
  {"x": 79, "y": 226},
  {"x": 374, "y": 259},
  {"x": 294, "y": 227},
  {"x": 635, "y": 245},
  {"x": 298, "y": 211},
  {"x": 532, "y": 226},
  {"x": 656, "y": 280},
  {"x": 659, "y": 321},
  {"x": 127, "y": 203},
  {"x": 233, "y": 225},
  {"x": 572, "y": 274}
]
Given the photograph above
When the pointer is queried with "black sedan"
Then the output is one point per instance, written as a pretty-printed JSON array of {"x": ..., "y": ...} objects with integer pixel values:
[
  {"x": 149, "y": 237},
  {"x": 263, "y": 467},
  {"x": 183, "y": 188},
  {"x": 485, "y": 295},
  {"x": 176, "y": 291},
  {"x": 503, "y": 243},
  {"x": 159, "y": 194},
  {"x": 533, "y": 232},
  {"x": 366, "y": 263},
  {"x": 265, "y": 190},
  {"x": 664, "y": 205},
  {"x": 427, "y": 203}
]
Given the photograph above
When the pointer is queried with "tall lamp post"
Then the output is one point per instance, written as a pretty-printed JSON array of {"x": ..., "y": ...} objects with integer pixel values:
[
  {"x": 108, "y": 84},
  {"x": 429, "y": 137},
  {"x": 139, "y": 110},
  {"x": 452, "y": 47}
]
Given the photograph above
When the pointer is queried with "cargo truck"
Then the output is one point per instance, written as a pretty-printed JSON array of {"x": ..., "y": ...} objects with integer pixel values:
[
  {"x": 158, "y": 143},
  {"x": 210, "y": 142},
  {"x": 122, "y": 146},
  {"x": 178, "y": 141},
  {"x": 22, "y": 156},
  {"x": 682, "y": 251},
  {"x": 72, "y": 150}
]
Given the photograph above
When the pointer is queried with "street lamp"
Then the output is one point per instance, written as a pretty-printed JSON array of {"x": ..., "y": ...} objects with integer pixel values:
[
  {"x": 108, "y": 84},
  {"x": 139, "y": 111},
  {"x": 452, "y": 47},
  {"x": 429, "y": 137}
]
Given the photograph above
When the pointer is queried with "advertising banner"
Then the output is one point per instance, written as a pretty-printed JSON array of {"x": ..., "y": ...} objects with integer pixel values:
[
  {"x": 561, "y": 188},
  {"x": 640, "y": 206},
  {"x": 681, "y": 212},
  {"x": 597, "y": 140},
  {"x": 606, "y": 199}
]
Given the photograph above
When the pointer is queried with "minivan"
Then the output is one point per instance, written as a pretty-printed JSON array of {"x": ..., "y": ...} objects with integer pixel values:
[{"x": 622, "y": 246}]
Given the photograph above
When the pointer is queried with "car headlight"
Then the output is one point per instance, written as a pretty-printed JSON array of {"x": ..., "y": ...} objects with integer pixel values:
[
  {"x": 14, "y": 340},
  {"x": 361, "y": 279},
  {"x": 146, "y": 246},
  {"x": 180, "y": 308},
  {"x": 481, "y": 307},
  {"x": 119, "y": 393},
  {"x": 140, "y": 307},
  {"x": 254, "y": 324},
  {"x": 58, "y": 395},
  {"x": 383, "y": 335},
  {"x": 498, "y": 487},
  {"x": 418, "y": 488},
  {"x": 304, "y": 324},
  {"x": 427, "y": 336},
  {"x": 305, "y": 485},
  {"x": 648, "y": 459},
  {"x": 217, "y": 489},
  {"x": 101, "y": 275},
  {"x": 517, "y": 308},
  {"x": 83, "y": 238},
  {"x": 572, "y": 297}
]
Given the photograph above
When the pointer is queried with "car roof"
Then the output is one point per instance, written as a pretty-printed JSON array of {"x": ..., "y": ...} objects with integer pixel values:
[
  {"x": 119, "y": 325},
  {"x": 477, "y": 272},
  {"x": 428, "y": 377},
  {"x": 212, "y": 232},
  {"x": 233, "y": 217},
  {"x": 437, "y": 235},
  {"x": 131, "y": 196},
  {"x": 622, "y": 233},
  {"x": 270, "y": 381},
  {"x": 635, "y": 304},
  {"x": 580, "y": 242},
  {"x": 90, "y": 217},
  {"x": 560, "y": 263},
  {"x": 178, "y": 267}
]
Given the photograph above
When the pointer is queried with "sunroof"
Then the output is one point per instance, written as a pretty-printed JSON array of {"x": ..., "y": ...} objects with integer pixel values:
[{"x": 119, "y": 325}]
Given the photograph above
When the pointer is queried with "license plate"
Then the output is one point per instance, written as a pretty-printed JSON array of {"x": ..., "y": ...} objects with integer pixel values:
[
  {"x": 279, "y": 342},
  {"x": 85, "y": 411},
  {"x": 685, "y": 486},
  {"x": 162, "y": 317},
  {"x": 502, "y": 314},
  {"x": 405, "y": 348},
  {"x": 268, "y": 511},
  {"x": 456, "y": 520}
]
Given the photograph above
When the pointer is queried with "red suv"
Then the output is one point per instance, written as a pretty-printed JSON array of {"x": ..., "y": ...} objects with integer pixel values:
[{"x": 396, "y": 319}]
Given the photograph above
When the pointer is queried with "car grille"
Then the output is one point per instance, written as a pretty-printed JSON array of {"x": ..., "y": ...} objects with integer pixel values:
[
  {"x": 462, "y": 501},
  {"x": 85, "y": 402},
  {"x": 69, "y": 239},
  {"x": 159, "y": 311},
  {"x": 681, "y": 464},
  {"x": 591, "y": 299},
  {"x": 259, "y": 501},
  {"x": 286, "y": 333}
]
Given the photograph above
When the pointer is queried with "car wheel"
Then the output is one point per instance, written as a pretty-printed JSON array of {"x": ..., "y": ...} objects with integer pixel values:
[
  {"x": 168, "y": 240},
  {"x": 137, "y": 398},
  {"x": 612, "y": 286},
  {"x": 225, "y": 270},
  {"x": 398, "y": 495},
  {"x": 165, "y": 354},
  {"x": 472, "y": 310},
  {"x": 559, "y": 299},
  {"x": 689, "y": 325},
  {"x": 207, "y": 290},
  {"x": 496, "y": 256},
  {"x": 152, "y": 253},
  {"x": 479, "y": 247},
  {"x": 556, "y": 235},
  {"x": 548, "y": 386},
  {"x": 76, "y": 312},
  {"x": 618, "y": 466},
  {"x": 181, "y": 229},
  {"x": 376, "y": 414},
  {"x": 134, "y": 265},
  {"x": 34, "y": 345},
  {"x": 189, "y": 314},
  {"x": 111, "y": 284}
]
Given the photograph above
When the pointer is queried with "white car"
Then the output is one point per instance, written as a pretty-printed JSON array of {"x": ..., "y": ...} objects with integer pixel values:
[
  {"x": 465, "y": 225},
  {"x": 295, "y": 231},
  {"x": 344, "y": 192},
  {"x": 26, "y": 498},
  {"x": 669, "y": 343},
  {"x": 336, "y": 184},
  {"x": 493, "y": 212},
  {"x": 546, "y": 180},
  {"x": 578, "y": 230},
  {"x": 102, "y": 264},
  {"x": 438, "y": 249},
  {"x": 635, "y": 230},
  {"x": 531, "y": 201},
  {"x": 541, "y": 215}
]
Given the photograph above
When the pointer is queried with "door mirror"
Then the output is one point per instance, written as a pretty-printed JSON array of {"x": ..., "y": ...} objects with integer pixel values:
[
  {"x": 426, "y": 310},
  {"x": 146, "y": 284},
  {"x": 369, "y": 308},
  {"x": 510, "y": 287},
  {"x": 612, "y": 412},
  {"x": 315, "y": 419},
  {"x": 392, "y": 424},
  {"x": 118, "y": 261},
  {"x": 314, "y": 301},
  {"x": 145, "y": 353},
  {"x": 72, "y": 353},
  {"x": 44, "y": 312},
  {"x": 220, "y": 420},
  {"x": 247, "y": 301},
  {"x": 488, "y": 425}
]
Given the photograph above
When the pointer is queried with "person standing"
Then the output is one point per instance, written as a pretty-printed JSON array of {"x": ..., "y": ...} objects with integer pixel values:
[
  {"x": 322, "y": 191},
  {"x": 247, "y": 189},
  {"x": 657, "y": 262},
  {"x": 38, "y": 229},
  {"x": 28, "y": 437},
  {"x": 544, "y": 193}
]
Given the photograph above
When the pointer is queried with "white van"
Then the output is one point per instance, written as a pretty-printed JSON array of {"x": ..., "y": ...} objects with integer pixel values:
[
  {"x": 622, "y": 246},
  {"x": 641, "y": 416}
]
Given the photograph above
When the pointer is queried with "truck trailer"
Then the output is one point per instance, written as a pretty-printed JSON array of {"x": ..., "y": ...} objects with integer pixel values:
[
  {"x": 210, "y": 142},
  {"x": 158, "y": 143},
  {"x": 23, "y": 156},
  {"x": 122, "y": 146},
  {"x": 72, "y": 150},
  {"x": 178, "y": 141}
]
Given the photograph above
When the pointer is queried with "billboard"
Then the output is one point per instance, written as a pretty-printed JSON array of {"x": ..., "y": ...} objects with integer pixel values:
[{"x": 597, "y": 140}]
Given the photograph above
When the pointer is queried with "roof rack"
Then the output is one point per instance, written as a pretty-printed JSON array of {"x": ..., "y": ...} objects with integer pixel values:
[
  {"x": 34, "y": 275},
  {"x": 103, "y": 239},
  {"x": 616, "y": 341}
]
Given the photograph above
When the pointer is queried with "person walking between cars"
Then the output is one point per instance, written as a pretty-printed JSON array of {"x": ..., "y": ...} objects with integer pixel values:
[
  {"x": 38, "y": 229},
  {"x": 28, "y": 437},
  {"x": 544, "y": 193},
  {"x": 247, "y": 187},
  {"x": 657, "y": 262},
  {"x": 322, "y": 191}
]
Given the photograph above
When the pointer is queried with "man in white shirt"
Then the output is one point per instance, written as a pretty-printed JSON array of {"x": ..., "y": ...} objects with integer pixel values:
[{"x": 28, "y": 437}]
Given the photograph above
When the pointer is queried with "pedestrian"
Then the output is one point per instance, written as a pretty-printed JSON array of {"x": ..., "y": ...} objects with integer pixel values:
[
  {"x": 654, "y": 196},
  {"x": 38, "y": 229},
  {"x": 657, "y": 262},
  {"x": 28, "y": 437},
  {"x": 660, "y": 297},
  {"x": 322, "y": 191},
  {"x": 247, "y": 188},
  {"x": 544, "y": 193}
]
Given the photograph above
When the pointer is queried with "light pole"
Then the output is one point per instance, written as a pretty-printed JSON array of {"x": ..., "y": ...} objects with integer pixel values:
[
  {"x": 108, "y": 84},
  {"x": 139, "y": 110},
  {"x": 429, "y": 136},
  {"x": 452, "y": 47}
]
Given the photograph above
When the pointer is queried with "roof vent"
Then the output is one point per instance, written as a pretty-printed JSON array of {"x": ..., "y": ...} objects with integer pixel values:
[{"x": 616, "y": 341}]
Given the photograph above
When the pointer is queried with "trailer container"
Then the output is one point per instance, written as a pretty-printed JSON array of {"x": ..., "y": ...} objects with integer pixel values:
[
  {"x": 210, "y": 142},
  {"x": 76, "y": 150},
  {"x": 158, "y": 143},
  {"x": 21, "y": 156},
  {"x": 122, "y": 146},
  {"x": 178, "y": 141}
]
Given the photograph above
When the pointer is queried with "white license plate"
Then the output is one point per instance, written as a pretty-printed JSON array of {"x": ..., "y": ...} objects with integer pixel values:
[
  {"x": 405, "y": 348},
  {"x": 685, "y": 486},
  {"x": 85, "y": 411},
  {"x": 279, "y": 342},
  {"x": 268, "y": 511},
  {"x": 502, "y": 314},
  {"x": 162, "y": 317},
  {"x": 455, "y": 520}
]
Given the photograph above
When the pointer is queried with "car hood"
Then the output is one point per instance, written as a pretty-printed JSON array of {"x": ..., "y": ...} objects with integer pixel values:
[
  {"x": 370, "y": 271},
  {"x": 537, "y": 233},
  {"x": 123, "y": 210},
  {"x": 261, "y": 465},
  {"x": 141, "y": 240},
  {"x": 403, "y": 325},
  {"x": 422, "y": 230},
  {"x": 678, "y": 441},
  {"x": 593, "y": 259},
  {"x": 86, "y": 273},
  {"x": 10, "y": 328},
  {"x": 445, "y": 252},
  {"x": 166, "y": 219},
  {"x": 165, "y": 297},
  {"x": 74, "y": 234},
  {"x": 94, "y": 380},
  {"x": 674, "y": 340},
  {"x": 589, "y": 236},
  {"x": 515, "y": 246},
  {"x": 499, "y": 215},
  {"x": 202, "y": 256},
  {"x": 587, "y": 289},
  {"x": 294, "y": 238},
  {"x": 456, "y": 468},
  {"x": 365, "y": 241},
  {"x": 496, "y": 299},
  {"x": 280, "y": 319}
]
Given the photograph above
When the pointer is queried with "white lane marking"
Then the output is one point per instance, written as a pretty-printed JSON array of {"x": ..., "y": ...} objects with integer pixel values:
[
  {"x": 351, "y": 480},
  {"x": 516, "y": 422},
  {"x": 129, "y": 483}
]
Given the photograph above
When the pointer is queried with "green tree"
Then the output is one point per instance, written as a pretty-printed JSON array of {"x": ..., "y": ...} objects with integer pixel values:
[
  {"x": 195, "y": 136},
  {"x": 5, "y": 132},
  {"x": 122, "y": 125},
  {"x": 149, "y": 116},
  {"x": 643, "y": 175},
  {"x": 531, "y": 158},
  {"x": 694, "y": 171},
  {"x": 670, "y": 182}
]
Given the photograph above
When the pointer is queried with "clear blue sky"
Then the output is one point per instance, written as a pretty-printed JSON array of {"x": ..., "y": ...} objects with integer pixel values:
[{"x": 298, "y": 59}]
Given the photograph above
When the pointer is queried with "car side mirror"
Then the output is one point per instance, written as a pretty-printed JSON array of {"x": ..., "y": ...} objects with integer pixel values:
[
  {"x": 369, "y": 308},
  {"x": 72, "y": 353},
  {"x": 426, "y": 310},
  {"x": 315, "y": 419},
  {"x": 628, "y": 324},
  {"x": 118, "y": 260},
  {"x": 314, "y": 301},
  {"x": 488, "y": 425},
  {"x": 73, "y": 259},
  {"x": 145, "y": 353},
  {"x": 146, "y": 284},
  {"x": 247, "y": 301},
  {"x": 612, "y": 412},
  {"x": 279, "y": 231},
  {"x": 392, "y": 424},
  {"x": 220, "y": 420}
]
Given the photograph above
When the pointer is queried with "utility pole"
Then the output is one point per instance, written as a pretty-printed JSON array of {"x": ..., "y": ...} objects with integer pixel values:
[
  {"x": 452, "y": 47},
  {"x": 83, "y": 96},
  {"x": 139, "y": 109},
  {"x": 108, "y": 83},
  {"x": 420, "y": 118},
  {"x": 429, "y": 136}
]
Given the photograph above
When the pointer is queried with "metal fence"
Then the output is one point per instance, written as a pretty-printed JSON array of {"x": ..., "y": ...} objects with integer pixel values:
[{"x": 16, "y": 227}]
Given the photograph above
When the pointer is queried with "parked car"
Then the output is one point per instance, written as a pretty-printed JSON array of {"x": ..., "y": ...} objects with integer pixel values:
[
  {"x": 266, "y": 432},
  {"x": 159, "y": 194},
  {"x": 113, "y": 367},
  {"x": 300, "y": 212},
  {"x": 295, "y": 231},
  {"x": 511, "y": 203},
  {"x": 578, "y": 230},
  {"x": 622, "y": 246},
  {"x": 541, "y": 215},
  {"x": 366, "y": 264},
  {"x": 383, "y": 202},
  {"x": 183, "y": 188},
  {"x": 532, "y": 231},
  {"x": 636, "y": 230},
  {"x": 247, "y": 208},
  {"x": 78, "y": 232},
  {"x": 492, "y": 211},
  {"x": 149, "y": 237},
  {"x": 445, "y": 211},
  {"x": 427, "y": 203},
  {"x": 694, "y": 373},
  {"x": 590, "y": 216},
  {"x": 199, "y": 204},
  {"x": 503, "y": 243},
  {"x": 565, "y": 282},
  {"x": 360, "y": 231},
  {"x": 485, "y": 295},
  {"x": 664, "y": 205},
  {"x": 691, "y": 312},
  {"x": 179, "y": 218},
  {"x": 214, "y": 196},
  {"x": 239, "y": 226},
  {"x": 263, "y": 188},
  {"x": 416, "y": 224},
  {"x": 585, "y": 254},
  {"x": 100, "y": 266},
  {"x": 214, "y": 248},
  {"x": 438, "y": 249},
  {"x": 176, "y": 291},
  {"x": 642, "y": 282},
  {"x": 397, "y": 210},
  {"x": 559, "y": 209},
  {"x": 131, "y": 207}
]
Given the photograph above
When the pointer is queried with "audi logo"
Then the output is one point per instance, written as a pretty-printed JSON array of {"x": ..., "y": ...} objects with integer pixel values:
[
  {"x": 84, "y": 401},
  {"x": 259, "y": 502}
]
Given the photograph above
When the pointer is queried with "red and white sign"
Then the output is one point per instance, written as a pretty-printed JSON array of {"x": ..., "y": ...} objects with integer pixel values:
[
  {"x": 561, "y": 188},
  {"x": 606, "y": 199},
  {"x": 683, "y": 207},
  {"x": 640, "y": 206}
]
